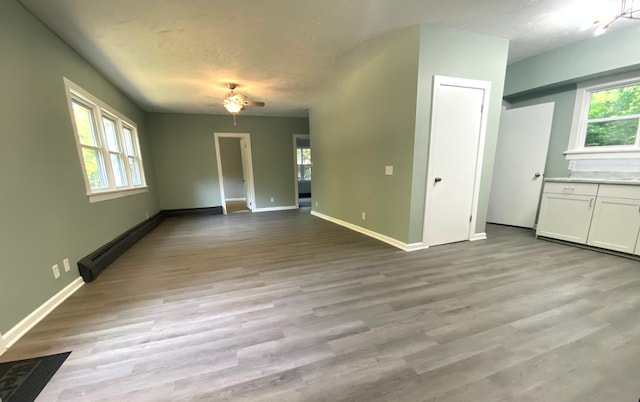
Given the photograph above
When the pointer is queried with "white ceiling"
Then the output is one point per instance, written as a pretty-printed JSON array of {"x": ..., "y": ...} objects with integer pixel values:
[{"x": 177, "y": 55}]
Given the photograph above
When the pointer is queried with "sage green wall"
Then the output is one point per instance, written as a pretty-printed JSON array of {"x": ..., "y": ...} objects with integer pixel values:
[
  {"x": 616, "y": 51},
  {"x": 46, "y": 215},
  {"x": 552, "y": 77},
  {"x": 186, "y": 169},
  {"x": 463, "y": 55},
  {"x": 231, "y": 160},
  {"x": 361, "y": 124}
]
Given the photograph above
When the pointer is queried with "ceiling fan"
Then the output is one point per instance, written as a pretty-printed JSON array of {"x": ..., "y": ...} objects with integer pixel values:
[{"x": 235, "y": 102}]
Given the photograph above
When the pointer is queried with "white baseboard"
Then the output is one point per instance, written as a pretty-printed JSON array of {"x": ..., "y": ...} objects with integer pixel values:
[
  {"x": 478, "y": 236},
  {"x": 235, "y": 199},
  {"x": 30, "y": 321},
  {"x": 275, "y": 209},
  {"x": 389, "y": 240}
]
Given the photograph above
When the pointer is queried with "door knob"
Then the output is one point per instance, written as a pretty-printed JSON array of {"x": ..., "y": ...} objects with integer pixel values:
[
  {"x": 537, "y": 175},
  {"x": 438, "y": 179}
]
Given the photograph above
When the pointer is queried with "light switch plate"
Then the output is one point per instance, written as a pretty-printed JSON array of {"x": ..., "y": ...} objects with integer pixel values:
[{"x": 388, "y": 170}]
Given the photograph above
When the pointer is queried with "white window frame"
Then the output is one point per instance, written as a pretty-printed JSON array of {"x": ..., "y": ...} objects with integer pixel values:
[
  {"x": 576, "y": 148},
  {"x": 99, "y": 110},
  {"x": 301, "y": 167}
]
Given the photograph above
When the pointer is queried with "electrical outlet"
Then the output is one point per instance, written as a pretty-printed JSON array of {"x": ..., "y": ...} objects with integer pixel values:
[
  {"x": 56, "y": 271},
  {"x": 316, "y": 203},
  {"x": 364, "y": 216},
  {"x": 67, "y": 267},
  {"x": 273, "y": 199}
]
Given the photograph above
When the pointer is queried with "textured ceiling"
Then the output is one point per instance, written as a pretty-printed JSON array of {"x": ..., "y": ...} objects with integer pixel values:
[{"x": 177, "y": 55}]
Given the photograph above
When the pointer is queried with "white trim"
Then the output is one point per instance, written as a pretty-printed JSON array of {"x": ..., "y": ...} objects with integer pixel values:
[
  {"x": 3, "y": 347},
  {"x": 245, "y": 138},
  {"x": 389, "y": 240},
  {"x": 111, "y": 195},
  {"x": 577, "y": 138},
  {"x": 295, "y": 163},
  {"x": 270, "y": 209},
  {"x": 30, "y": 321},
  {"x": 75, "y": 93},
  {"x": 235, "y": 199},
  {"x": 478, "y": 236},
  {"x": 439, "y": 80}
]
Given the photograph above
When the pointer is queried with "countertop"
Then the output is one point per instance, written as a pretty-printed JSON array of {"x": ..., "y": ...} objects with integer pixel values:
[{"x": 633, "y": 182}]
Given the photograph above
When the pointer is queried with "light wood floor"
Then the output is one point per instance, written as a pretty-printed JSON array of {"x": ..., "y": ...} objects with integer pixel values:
[
  {"x": 236, "y": 206},
  {"x": 286, "y": 307}
]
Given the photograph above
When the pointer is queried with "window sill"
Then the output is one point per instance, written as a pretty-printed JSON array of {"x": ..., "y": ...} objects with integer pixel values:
[
  {"x": 112, "y": 195},
  {"x": 614, "y": 153}
]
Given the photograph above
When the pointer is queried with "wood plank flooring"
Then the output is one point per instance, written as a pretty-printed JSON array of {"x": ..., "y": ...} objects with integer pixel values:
[{"x": 283, "y": 306}]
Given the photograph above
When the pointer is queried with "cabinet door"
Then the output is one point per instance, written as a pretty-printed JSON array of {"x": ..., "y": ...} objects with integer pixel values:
[
  {"x": 565, "y": 217},
  {"x": 615, "y": 224}
]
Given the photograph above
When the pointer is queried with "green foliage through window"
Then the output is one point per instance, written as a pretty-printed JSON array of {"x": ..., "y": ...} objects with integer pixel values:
[
  {"x": 303, "y": 157},
  {"x": 613, "y": 117}
]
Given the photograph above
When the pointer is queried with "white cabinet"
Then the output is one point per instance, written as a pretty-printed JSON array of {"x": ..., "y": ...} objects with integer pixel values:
[
  {"x": 616, "y": 218},
  {"x": 600, "y": 215},
  {"x": 566, "y": 209},
  {"x": 615, "y": 224}
]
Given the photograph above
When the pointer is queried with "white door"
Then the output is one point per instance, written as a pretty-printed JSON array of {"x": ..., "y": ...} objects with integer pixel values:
[
  {"x": 245, "y": 180},
  {"x": 458, "y": 124},
  {"x": 521, "y": 156},
  {"x": 247, "y": 167}
]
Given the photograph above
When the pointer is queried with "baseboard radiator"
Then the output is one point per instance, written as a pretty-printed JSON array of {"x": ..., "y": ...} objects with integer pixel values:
[{"x": 94, "y": 263}]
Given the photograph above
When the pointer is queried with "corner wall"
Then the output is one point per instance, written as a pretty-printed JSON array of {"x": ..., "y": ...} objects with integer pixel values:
[
  {"x": 363, "y": 123},
  {"x": 463, "y": 55}
]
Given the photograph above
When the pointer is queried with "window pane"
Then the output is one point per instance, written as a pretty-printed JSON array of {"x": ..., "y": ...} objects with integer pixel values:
[
  {"x": 110, "y": 132},
  {"x": 94, "y": 165},
  {"x": 119, "y": 174},
  {"x": 135, "y": 171},
  {"x": 299, "y": 156},
  {"x": 306, "y": 156},
  {"x": 128, "y": 142},
  {"x": 619, "y": 132},
  {"x": 623, "y": 101},
  {"x": 307, "y": 173},
  {"x": 84, "y": 124},
  {"x": 300, "y": 172}
]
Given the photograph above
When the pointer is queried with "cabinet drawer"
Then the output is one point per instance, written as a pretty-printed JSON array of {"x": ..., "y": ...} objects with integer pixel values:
[
  {"x": 619, "y": 191},
  {"x": 571, "y": 188}
]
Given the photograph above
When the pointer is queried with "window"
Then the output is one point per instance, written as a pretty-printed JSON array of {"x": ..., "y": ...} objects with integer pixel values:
[
  {"x": 304, "y": 163},
  {"x": 107, "y": 146},
  {"x": 607, "y": 120}
]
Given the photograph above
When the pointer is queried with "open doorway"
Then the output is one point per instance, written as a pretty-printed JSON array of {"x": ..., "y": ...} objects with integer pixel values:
[
  {"x": 302, "y": 169},
  {"x": 235, "y": 172}
]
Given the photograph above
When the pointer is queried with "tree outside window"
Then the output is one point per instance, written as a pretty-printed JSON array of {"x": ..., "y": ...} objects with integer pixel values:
[
  {"x": 304, "y": 163},
  {"x": 614, "y": 116}
]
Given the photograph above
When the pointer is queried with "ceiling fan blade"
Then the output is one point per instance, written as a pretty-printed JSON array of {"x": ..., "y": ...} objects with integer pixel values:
[{"x": 254, "y": 103}]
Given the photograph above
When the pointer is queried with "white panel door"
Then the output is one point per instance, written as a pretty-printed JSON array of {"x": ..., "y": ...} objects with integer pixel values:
[
  {"x": 453, "y": 163},
  {"x": 521, "y": 156}
]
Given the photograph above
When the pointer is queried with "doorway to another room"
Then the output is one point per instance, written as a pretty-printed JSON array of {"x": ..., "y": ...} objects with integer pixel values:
[
  {"x": 235, "y": 172},
  {"x": 302, "y": 169}
]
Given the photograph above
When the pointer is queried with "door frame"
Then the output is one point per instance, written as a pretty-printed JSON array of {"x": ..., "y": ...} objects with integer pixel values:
[
  {"x": 245, "y": 141},
  {"x": 295, "y": 164},
  {"x": 439, "y": 81}
]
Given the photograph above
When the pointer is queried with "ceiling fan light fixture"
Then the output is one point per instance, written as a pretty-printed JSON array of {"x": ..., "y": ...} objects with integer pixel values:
[{"x": 233, "y": 106}]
